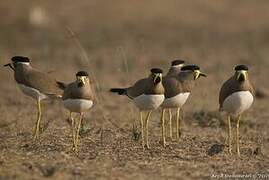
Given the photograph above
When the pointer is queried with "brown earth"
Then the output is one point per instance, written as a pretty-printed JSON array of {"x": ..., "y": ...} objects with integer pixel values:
[{"x": 118, "y": 43}]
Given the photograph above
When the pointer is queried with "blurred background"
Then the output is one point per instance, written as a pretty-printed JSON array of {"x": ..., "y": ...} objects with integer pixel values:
[{"x": 112, "y": 38}]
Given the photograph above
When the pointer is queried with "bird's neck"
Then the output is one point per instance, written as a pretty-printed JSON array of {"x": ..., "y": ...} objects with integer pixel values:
[
  {"x": 186, "y": 76},
  {"x": 173, "y": 71},
  {"x": 21, "y": 67}
]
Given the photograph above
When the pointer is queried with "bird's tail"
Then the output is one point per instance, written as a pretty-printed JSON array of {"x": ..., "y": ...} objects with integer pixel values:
[
  {"x": 61, "y": 85},
  {"x": 120, "y": 91}
]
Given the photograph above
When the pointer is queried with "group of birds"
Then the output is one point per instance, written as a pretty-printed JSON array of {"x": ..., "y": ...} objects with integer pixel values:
[
  {"x": 77, "y": 96},
  {"x": 169, "y": 92}
]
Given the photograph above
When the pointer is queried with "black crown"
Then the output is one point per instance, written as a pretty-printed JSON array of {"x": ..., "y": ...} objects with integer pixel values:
[
  {"x": 190, "y": 67},
  {"x": 16, "y": 59},
  {"x": 156, "y": 70},
  {"x": 177, "y": 62},
  {"x": 82, "y": 73},
  {"x": 241, "y": 67}
]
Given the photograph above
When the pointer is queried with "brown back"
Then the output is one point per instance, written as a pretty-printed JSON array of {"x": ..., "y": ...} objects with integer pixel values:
[
  {"x": 145, "y": 86},
  {"x": 232, "y": 86},
  {"x": 41, "y": 81}
]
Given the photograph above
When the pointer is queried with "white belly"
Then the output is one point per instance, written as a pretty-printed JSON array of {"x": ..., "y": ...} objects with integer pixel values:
[
  {"x": 175, "y": 102},
  {"x": 78, "y": 105},
  {"x": 238, "y": 102},
  {"x": 148, "y": 102},
  {"x": 34, "y": 93}
]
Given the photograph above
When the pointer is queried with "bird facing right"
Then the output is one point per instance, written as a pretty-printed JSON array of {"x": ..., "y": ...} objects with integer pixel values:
[{"x": 236, "y": 96}]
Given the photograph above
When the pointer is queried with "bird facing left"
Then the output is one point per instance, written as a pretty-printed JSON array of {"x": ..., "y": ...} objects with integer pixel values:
[{"x": 38, "y": 85}]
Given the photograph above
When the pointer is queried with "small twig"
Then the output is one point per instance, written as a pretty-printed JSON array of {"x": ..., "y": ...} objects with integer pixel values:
[{"x": 86, "y": 58}]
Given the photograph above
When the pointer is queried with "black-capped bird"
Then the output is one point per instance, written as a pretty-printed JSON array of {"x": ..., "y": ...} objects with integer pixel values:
[
  {"x": 177, "y": 90},
  {"x": 38, "y": 85},
  {"x": 174, "y": 70},
  {"x": 78, "y": 97},
  {"x": 236, "y": 96},
  {"x": 148, "y": 95}
]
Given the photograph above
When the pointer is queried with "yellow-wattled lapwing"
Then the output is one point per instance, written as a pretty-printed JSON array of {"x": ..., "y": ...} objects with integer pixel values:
[
  {"x": 78, "y": 97},
  {"x": 148, "y": 95},
  {"x": 236, "y": 96},
  {"x": 174, "y": 70},
  {"x": 35, "y": 84},
  {"x": 177, "y": 90}
]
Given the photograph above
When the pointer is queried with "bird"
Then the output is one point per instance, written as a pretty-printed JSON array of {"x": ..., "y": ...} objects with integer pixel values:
[
  {"x": 177, "y": 90},
  {"x": 38, "y": 85},
  {"x": 147, "y": 94},
  {"x": 175, "y": 67},
  {"x": 78, "y": 97},
  {"x": 235, "y": 97},
  {"x": 174, "y": 70}
]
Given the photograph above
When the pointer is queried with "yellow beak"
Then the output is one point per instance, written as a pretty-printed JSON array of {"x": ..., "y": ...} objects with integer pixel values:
[
  {"x": 81, "y": 80},
  {"x": 241, "y": 75},
  {"x": 157, "y": 78},
  {"x": 197, "y": 74}
]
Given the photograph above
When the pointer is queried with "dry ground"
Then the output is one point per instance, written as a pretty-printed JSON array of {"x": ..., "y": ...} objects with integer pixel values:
[{"x": 118, "y": 42}]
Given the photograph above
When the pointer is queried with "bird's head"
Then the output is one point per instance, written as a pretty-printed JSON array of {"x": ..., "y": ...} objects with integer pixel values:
[
  {"x": 82, "y": 78},
  {"x": 241, "y": 72},
  {"x": 195, "y": 70},
  {"x": 178, "y": 63},
  {"x": 18, "y": 60},
  {"x": 156, "y": 75}
]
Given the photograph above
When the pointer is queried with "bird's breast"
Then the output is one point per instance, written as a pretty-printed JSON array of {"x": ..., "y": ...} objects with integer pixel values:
[
  {"x": 149, "y": 102},
  {"x": 238, "y": 102},
  {"x": 78, "y": 105},
  {"x": 176, "y": 101}
]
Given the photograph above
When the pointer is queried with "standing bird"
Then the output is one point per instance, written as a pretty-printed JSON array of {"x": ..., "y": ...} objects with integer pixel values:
[
  {"x": 236, "y": 96},
  {"x": 35, "y": 84},
  {"x": 148, "y": 95},
  {"x": 78, "y": 97},
  {"x": 177, "y": 90},
  {"x": 174, "y": 70}
]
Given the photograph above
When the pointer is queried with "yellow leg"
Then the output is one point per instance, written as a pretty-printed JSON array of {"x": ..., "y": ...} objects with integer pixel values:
[
  {"x": 237, "y": 135},
  {"x": 170, "y": 124},
  {"x": 142, "y": 129},
  {"x": 163, "y": 127},
  {"x": 229, "y": 134},
  {"x": 77, "y": 133},
  {"x": 178, "y": 125},
  {"x": 73, "y": 128},
  {"x": 147, "y": 130},
  {"x": 37, "y": 127}
]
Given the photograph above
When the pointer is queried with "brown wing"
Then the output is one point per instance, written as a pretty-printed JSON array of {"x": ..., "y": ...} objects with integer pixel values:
[
  {"x": 172, "y": 86},
  {"x": 138, "y": 88},
  {"x": 226, "y": 90},
  {"x": 42, "y": 82}
]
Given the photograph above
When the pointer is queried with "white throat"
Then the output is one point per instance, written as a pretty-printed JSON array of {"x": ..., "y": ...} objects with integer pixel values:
[
  {"x": 24, "y": 63},
  {"x": 178, "y": 66}
]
